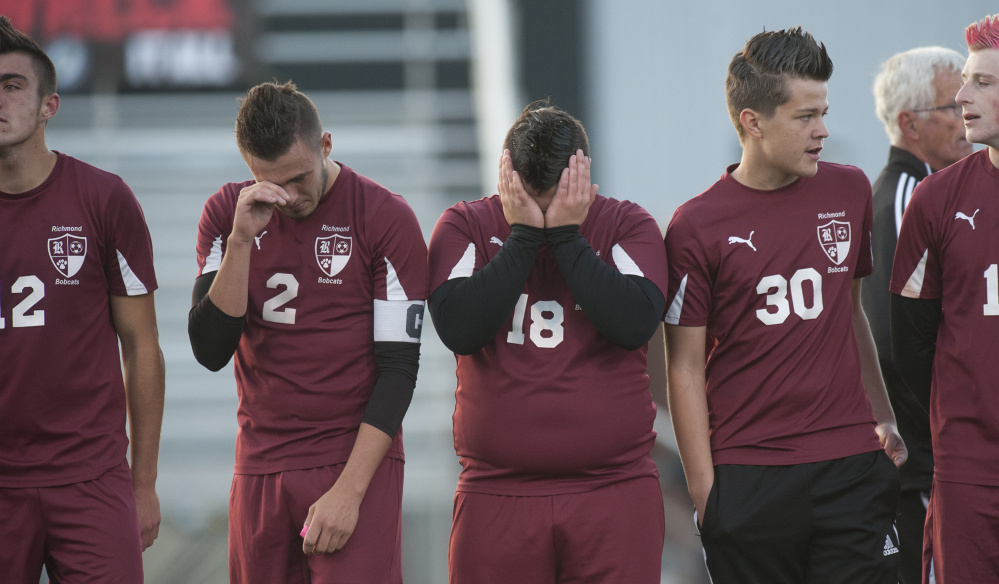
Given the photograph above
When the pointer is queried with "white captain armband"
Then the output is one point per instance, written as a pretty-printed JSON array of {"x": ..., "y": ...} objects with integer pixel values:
[{"x": 399, "y": 321}]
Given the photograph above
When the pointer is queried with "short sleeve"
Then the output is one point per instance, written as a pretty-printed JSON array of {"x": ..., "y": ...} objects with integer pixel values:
[
  {"x": 399, "y": 258},
  {"x": 214, "y": 228},
  {"x": 688, "y": 295},
  {"x": 916, "y": 268},
  {"x": 865, "y": 260},
  {"x": 452, "y": 252},
  {"x": 128, "y": 256},
  {"x": 640, "y": 251}
]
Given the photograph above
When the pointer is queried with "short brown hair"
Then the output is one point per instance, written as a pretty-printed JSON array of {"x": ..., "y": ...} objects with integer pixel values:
[
  {"x": 272, "y": 117},
  {"x": 15, "y": 41},
  {"x": 540, "y": 144},
  {"x": 758, "y": 74}
]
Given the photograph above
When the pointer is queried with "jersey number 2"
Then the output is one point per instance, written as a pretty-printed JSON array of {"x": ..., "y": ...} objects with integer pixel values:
[
  {"x": 20, "y": 315},
  {"x": 539, "y": 323},
  {"x": 272, "y": 308}
]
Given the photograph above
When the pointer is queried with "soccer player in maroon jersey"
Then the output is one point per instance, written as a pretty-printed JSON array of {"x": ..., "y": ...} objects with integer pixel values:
[
  {"x": 780, "y": 413},
  {"x": 914, "y": 98},
  {"x": 548, "y": 294},
  {"x": 76, "y": 278},
  {"x": 945, "y": 322},
  {"x": 315, "y": 278}
]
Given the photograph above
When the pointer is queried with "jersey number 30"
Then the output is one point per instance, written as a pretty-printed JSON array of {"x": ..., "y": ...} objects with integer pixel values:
[
  {"x": 546, "y": 331},
  {"x": 778, "y": 297}
]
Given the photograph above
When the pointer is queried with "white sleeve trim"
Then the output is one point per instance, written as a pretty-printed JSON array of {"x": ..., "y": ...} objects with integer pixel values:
[
  {"x": 466, "y": 265},
  {"x": 914, "y": 287},
  {"x": 398, "y": 321},
  {"x": 673, "y": 314},
  {"x": 214, "y": 260},
  {"x": 393, "y": 287},
  {"x": 624, "y": 263},
  {"x": 133, "y": 285}
]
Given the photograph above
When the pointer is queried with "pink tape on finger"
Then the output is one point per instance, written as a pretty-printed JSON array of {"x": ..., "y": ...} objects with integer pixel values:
[{"x": 304, "y": 531}]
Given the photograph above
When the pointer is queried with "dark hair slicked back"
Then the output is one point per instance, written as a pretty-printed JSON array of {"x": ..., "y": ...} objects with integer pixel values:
[
  {"x": 15, "y": 41},
  {"x": 273, "y": 117},
  {"x": 757, "y": 76},
  {"x": 541, "y": 142}
]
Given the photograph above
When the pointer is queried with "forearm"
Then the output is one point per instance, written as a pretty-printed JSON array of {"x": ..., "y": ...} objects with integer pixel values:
[
  {"x": 369, "y": 450},
  {"x": 625, "y": 309},
  {"x": 686, "y": 395},
  {"x": 469, "y": 312},
  {"x": 144, "y": 374},
  {"x": 870, "y": 369},
  {"x": 229, "y": 291},
  {"x": 214, "y": 335}
]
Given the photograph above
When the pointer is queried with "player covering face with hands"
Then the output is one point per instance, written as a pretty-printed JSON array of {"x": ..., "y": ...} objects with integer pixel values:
[{"x": 548, "y": 292}]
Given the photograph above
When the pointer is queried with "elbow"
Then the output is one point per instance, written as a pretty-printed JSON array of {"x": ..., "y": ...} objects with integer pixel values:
[{"x": 209, "y": 360}]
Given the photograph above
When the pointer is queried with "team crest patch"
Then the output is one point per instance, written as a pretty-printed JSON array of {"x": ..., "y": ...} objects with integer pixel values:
[
  {"x": 333, "y": 252},
  {"x": 834, "y": 237},
  {"x": 67, "y": 253}
]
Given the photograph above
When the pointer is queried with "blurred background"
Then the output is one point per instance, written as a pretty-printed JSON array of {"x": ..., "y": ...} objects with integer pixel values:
[{"x": 418, "y": 95}]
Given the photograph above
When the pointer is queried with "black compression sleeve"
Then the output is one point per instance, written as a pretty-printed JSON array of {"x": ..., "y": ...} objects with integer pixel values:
[
  {"x": 625, "y": 309},
  {"x": 468, "y": 312},
  {"x": 914, "y": 324},
  {"x": 214, "y": 334},
  {"x": 397, "y": 365}
]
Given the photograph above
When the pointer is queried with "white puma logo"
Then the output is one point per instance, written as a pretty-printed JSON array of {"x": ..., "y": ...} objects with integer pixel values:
[
  {"x": 256, "y": 238},
  {"x": 971, "y": 219},
  {"x": 748, "y": 242},
  {"x": 496, "y": 240}
]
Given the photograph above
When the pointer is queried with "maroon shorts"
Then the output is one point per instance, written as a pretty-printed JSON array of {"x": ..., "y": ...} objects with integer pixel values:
[
  {"x": 961, "y": 536},
  {"x": 267, "y": 512},
  {"x": 612, "y": 534},
  {"x": 81, "y": 532}
]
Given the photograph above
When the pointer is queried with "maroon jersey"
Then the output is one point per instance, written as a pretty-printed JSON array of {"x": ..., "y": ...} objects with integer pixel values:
[
  {"x": 769, "y": 274},
  {"x": 550, "y": 406},
  {"x": 67, "y": 245},
  {"x": 322, "y": 290},
  {"x": 948, "y": 249}
]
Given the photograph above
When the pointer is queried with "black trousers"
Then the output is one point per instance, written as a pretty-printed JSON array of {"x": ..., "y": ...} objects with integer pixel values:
[
  {"x": 829, "y": 522},
  {"x": 911, "y": 518}
]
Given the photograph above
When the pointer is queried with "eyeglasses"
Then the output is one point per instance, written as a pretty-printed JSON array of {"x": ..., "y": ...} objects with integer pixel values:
[{"x": 955, "y": 109}]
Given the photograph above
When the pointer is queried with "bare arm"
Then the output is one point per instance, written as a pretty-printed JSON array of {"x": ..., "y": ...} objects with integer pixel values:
[
  {"x": 688, "y": 408},
  {"x": 870, "y": 372},
  {"x": 332, "y": 518},
  {"x": 142, "y": 361}
]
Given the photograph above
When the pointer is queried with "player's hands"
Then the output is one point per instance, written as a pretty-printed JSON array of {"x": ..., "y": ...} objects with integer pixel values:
[
  {"x": 254, "y": 207},
  {"x": 575, "y": 194},
  {"x": 331, "y": 521},
  {"x": 892, "y": 442},
  {"x": 518, "y": 205},
  {"x": 147, "y": 506}
]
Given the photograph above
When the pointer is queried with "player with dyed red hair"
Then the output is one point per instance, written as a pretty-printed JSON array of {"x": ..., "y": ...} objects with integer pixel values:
[{"x": 945, "y": 319}]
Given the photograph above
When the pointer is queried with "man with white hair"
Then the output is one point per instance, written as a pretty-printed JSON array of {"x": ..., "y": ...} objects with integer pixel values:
[{"x": 914, "y": 98}]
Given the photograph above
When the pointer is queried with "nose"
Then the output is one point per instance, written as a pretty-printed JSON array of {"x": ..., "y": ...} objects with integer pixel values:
[
  {"x": 964, "y": 94},
  {"x": 822, "y": 131}
]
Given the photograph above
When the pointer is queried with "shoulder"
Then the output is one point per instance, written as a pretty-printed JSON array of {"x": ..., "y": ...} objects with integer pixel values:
[
  {"x": 831, "y": 172},
  {"x": 96, "y": 180}
]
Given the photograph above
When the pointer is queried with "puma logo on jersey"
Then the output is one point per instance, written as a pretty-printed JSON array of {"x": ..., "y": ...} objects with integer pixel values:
[
  {"x": 971, "y": 219},
  {"x": 749, "y": 242},
  {"x": 256, "y": 238},
  {"x": 496, "y": 240}
]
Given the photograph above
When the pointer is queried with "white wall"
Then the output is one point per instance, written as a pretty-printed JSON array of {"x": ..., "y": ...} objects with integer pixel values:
[{"x": 658, "y": 126}]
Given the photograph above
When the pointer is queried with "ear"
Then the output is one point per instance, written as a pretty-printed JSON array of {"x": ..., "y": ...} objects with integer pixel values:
[
  {"x": 908, "y": 125},
  {"x": 326, "y": 144},
  {"x": 750, "y": 122},
  {"x": 50, "y": 105}
]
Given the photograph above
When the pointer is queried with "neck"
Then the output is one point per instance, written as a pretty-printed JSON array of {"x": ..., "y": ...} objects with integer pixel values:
[
  {"x": 994, "y": 156},
  {"x": 755, "y": 174},
  {"x": 25, "y": 166},
  {"x": 332, "y": 172}
]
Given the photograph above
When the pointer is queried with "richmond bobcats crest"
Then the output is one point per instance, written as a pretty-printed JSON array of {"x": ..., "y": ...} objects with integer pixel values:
[
  {"x": 332, "y": 253},
  {"x": 834, "y": 237},
  {"x": 67, "y": 253}
]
